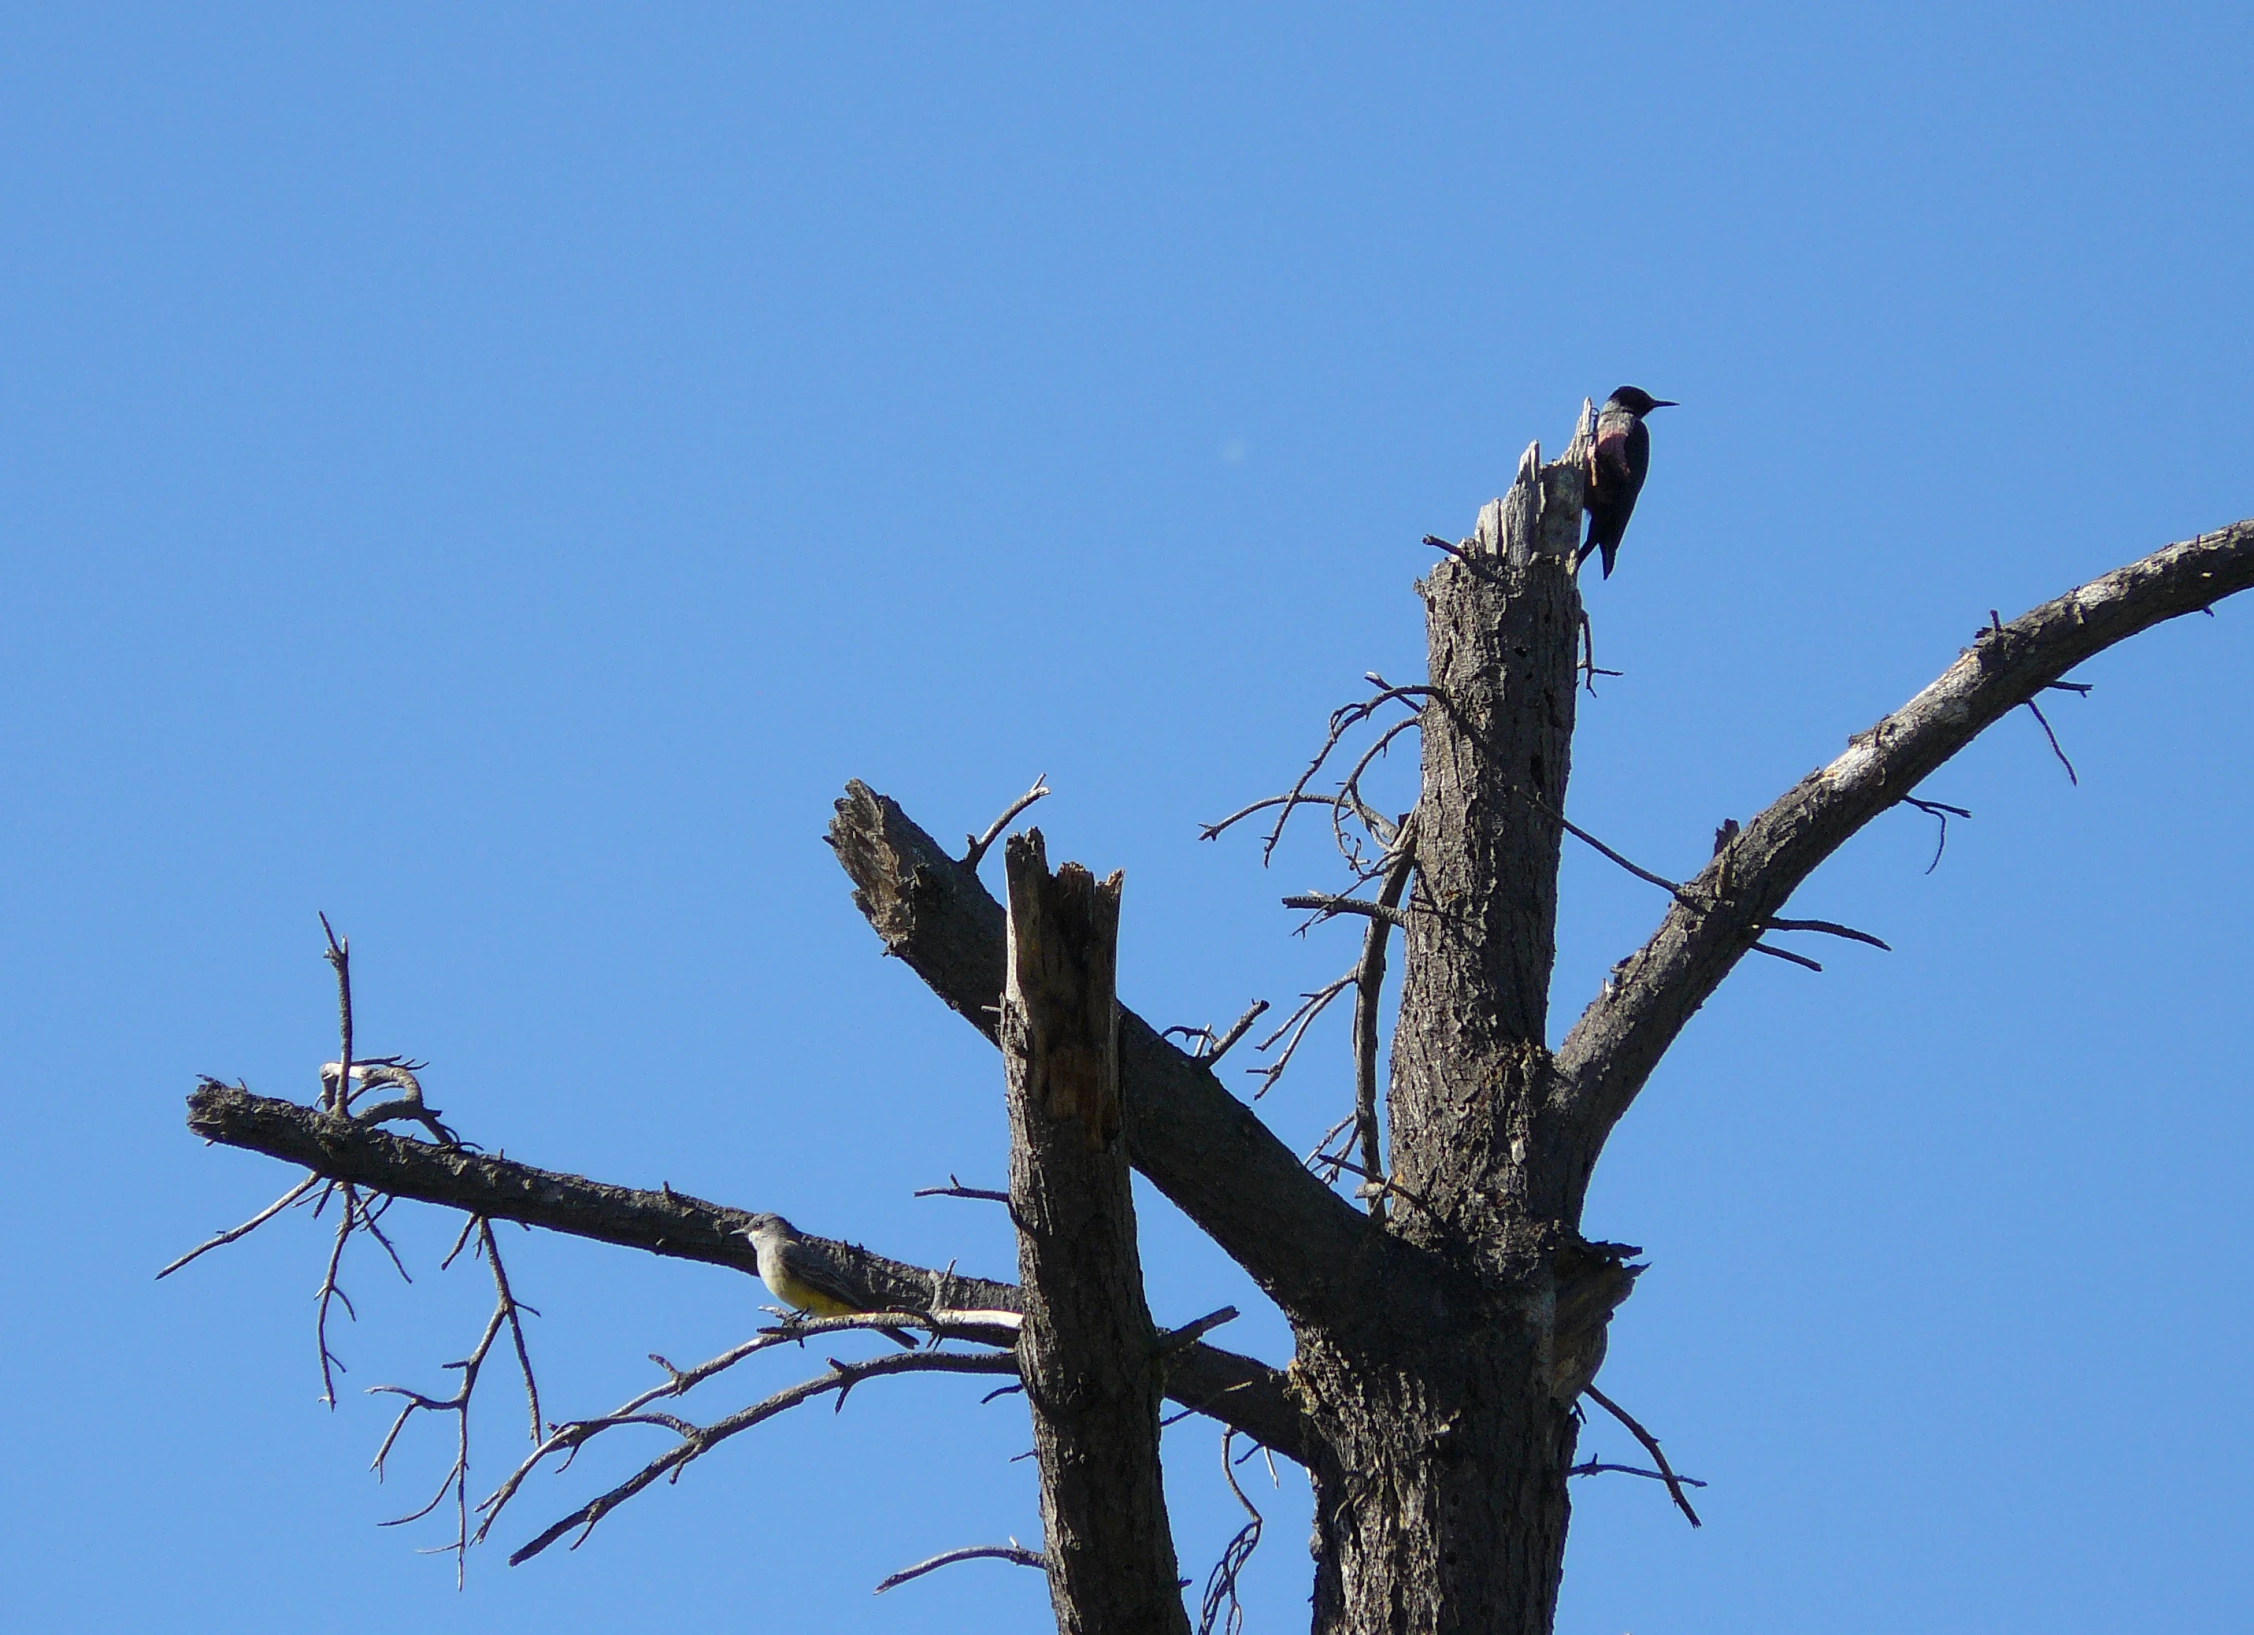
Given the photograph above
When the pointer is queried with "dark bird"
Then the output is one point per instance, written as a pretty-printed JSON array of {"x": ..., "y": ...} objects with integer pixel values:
[{"x": 1616, "y": 469}]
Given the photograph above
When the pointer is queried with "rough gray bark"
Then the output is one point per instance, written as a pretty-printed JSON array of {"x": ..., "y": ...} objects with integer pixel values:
[
  {"x": 1236, "y": 1390},
  {"x": 1443, "y": 1447},
  {"x": 1088, "y": 1354}
]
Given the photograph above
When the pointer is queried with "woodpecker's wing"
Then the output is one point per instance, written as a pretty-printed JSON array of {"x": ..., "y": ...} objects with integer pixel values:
[{"x": 1622, "y": 459}]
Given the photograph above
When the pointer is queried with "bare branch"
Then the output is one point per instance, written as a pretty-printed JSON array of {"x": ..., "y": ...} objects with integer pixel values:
[
  {"x": 1234, "y": 1389},
  {"x": 1801, "y": 960},
  {"x": 2053, "y": 737},
  {"x": 1221, "y": 1605},
  {"x": 1369, "y": 990},
  {"x": 1587, "y": 839},
  {"x": 980, "y": 844},
  {"x": 1613, "y": 1048},
  {"x": 1830, "y": 928},
  {"x": 1376, "y": 822},
  {"x": 1342, "y": 721},
  {"x": 1350, "y": 787},
  {"x": 1651, "y": 1446},
  {"x": 339, "y": 957},
  {"x": 1296, "y": 1025},
  {"x": 1942, "y": 811},
  {"x": 328, "y": 1292},
  {"x": 1217, "y": 1045},
  {"x": 505, "y": 1314},
  {"x": 1631, "y": 1470},
  {"x": 956, "y": 1189},
  {"x": 698, "y": 1440},
  {"x": 1326, "y": 903},
  {"x": 253, "y": 1224},
  {"x": 1174, "y": 1339},
  {"x": 1011, "y": 1552}
]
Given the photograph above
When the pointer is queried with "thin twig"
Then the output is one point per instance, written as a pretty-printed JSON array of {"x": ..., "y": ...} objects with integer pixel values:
[
  {"x": 980, "y": 843},
  {"x": 1588, "y": 666},
  {"x": 1783, "y": 954},
  {"x": 1011, "y": 1552},
  {"x": 506, "y": 1308},
  {"x": 1830, "y": 928},
  {"x": 1350, "y": 787},
  {"x": 1630, "y": 1470},
  {"x": 2053, "y": 737},
  {"x": 330, "y": 1291},
  {"x": 1942, "y": 811},
  {"x": 1375, "y": 1186},
  {"x": 956, "y": 1189},
  {"x": 1651, "y": 1446},
  {"x": 253, "y": 1224},
  {"x": 1342, "y": 720},
  {"x": 1176, "y": 1339},
  {"x": 1480, "y": 568},
  {"x": 1369, "y": 990},
  {"x": 1588, "y": 839},
  {"x": 698, "y": 1440},
  {"x": 1296, "y": 1025},
  {"x": 1326, "y": 903},
  {"x": 1215, "y": 1049},
  {"x": 983, "y": 1327},
  {"x": 1376, "y": 823},
  {"x": 1221, "y": 1605},
  {"x": 339, "y": 956},
  {"x": 1321, "y": 1156}
]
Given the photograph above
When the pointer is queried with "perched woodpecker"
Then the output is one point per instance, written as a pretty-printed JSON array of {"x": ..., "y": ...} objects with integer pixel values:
[{"x": 1616, "y": 469}]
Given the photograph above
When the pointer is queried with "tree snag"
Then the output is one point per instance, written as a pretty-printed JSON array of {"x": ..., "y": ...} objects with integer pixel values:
[
  {"x": 1088, "y": 1355},
  {"x": 1445, "y": 1336}
]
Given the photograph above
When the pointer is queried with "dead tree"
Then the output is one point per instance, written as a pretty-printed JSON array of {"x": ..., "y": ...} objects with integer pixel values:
[{"x": 1448, "y": 1312}]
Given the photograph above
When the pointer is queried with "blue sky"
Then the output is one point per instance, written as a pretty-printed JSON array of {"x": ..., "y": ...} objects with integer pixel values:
[{"x": 492, "y": 474}]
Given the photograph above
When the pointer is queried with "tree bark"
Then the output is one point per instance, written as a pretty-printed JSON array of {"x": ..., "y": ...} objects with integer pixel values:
[
  {"x": 1442, "y": 1447},
  {"x": 1088, "y": 1353}
]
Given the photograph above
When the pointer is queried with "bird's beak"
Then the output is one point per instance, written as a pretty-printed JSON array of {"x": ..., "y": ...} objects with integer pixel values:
[{"x": 1664, "y": 403}]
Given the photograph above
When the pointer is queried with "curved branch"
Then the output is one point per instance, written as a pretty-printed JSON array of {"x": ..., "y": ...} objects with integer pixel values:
[{"x": 1624, "y": 1032}]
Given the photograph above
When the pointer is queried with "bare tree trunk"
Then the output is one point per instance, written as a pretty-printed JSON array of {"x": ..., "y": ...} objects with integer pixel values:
[
  {"x": 1088, "y": 1353},
  {"x": 1444, "y": 1448}
]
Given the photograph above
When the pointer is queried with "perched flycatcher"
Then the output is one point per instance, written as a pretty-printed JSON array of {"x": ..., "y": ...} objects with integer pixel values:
[{"x": 801, "y": 1276}]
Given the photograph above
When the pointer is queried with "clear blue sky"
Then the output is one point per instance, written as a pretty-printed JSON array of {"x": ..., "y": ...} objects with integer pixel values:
[{"x": 493, "y": 474}]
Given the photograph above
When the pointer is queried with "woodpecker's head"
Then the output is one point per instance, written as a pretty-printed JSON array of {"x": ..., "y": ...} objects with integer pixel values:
[{"x": 1637, "y": 401}]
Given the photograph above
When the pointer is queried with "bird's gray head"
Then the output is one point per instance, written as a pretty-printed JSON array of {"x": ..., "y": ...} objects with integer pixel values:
[
  {"x": 766, "y": 1226},
  {"x": 1637, "y": 401}
]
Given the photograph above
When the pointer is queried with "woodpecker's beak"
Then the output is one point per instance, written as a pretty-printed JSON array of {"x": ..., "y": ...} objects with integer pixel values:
[{"x": 1663, "y": 403}]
